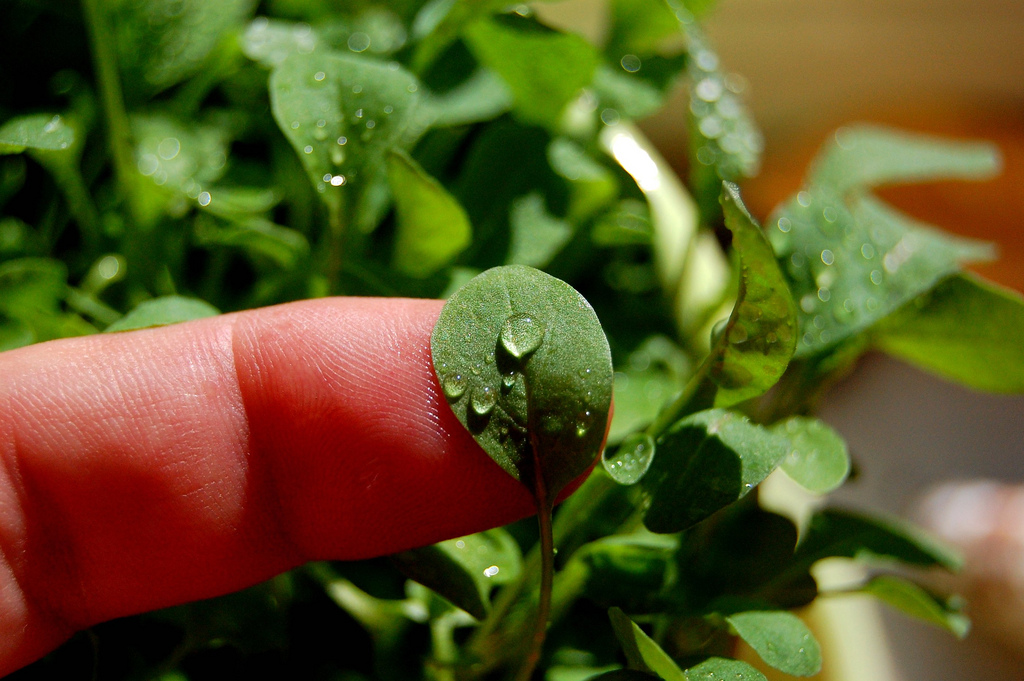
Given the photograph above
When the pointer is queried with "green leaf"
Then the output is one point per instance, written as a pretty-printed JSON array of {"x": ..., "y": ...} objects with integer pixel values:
[
  {"x": 725, "y": 142},
  {"x": 432, "y": 226},
  {"x": 464, "y": 570},
  {"x": 32, "y": 292},
  {"x": 627, "y": 224},
  {"x": 537, "y": 236},
  {"x": 162, "y": 42},
  {"x": 705, "y": 462},
  {"x": 481, "y": 97},
  {"x": 723, "y": 669},
  {"x": 46, "y": 132},
  {"x": 343, "y": 114},
  {"x": 271, "y": 41},
  {"x": 781, "y": 639},
  {"x": 639, "y": 27},
  {"x": 850, "y": 259},
  {"x": 525, "y": 366},
  {"x": 652, "y": 374},
  {"x": 622, "y": 675},
  {"x": 544, "y": 69},
  {"x": 163, "y": 311},
  {"x": 817, "y": 458},
  {"x": 757, "y": 342},
  {"x": 851, "y": 535},
  {"x": 916, "y": 602},
  {"x": 592, "y": 186},
  {"x": 642, "y": 653},
  {"x": 258, "y": 237},
  {"x": 966, "y": 329},
  {"x": 628, "y": 571}
]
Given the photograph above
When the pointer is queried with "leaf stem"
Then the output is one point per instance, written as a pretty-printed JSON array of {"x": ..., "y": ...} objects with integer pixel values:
[{"x": 547, "y": 572}]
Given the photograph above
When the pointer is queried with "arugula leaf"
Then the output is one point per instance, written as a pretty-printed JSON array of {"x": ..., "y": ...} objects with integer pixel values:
[
  {"x": 966, "y": 329},
  {"x": 705, "y": 462},
  {"x": 850, "y": 259},
  {"x": 526, "y": 368}
]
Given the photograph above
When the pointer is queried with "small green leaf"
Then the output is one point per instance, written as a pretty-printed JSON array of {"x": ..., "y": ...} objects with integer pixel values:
[
  {"x": 966, "y": 329},
  {"x": 464, "y": 570},
  {"x": 432, "y": 226},
  {"x": 32, "y": 292},
  {"x": 258, "y": 237},
  {"x": 781, "y": 639},
  {"x": 163, "y": 311},
  {"x": 343, "y": 114},
  {"x": 628, "y": 571},
  {"x": 652, "y": 375},
  {"x": 592, "y": 186},
  {"x": 705, "y": 462},
  {"x": 916, "y": 602},
  {"x": 642, "y": 653},
  {"x": 757, "y": 342},
  {"x": 850, "y": 535},
  {"x": 628, "y": 463},
  {"x": 627, "y": 224},
  {"x": 723, "y": 669},
  {"x": 525, "y": 366},
  {"x": 851, "y": 259},
  {"x": 481, "y": 97},
  {"x": 544, "y": 69},
  {"x": 537, "y": 236},
  {"x": 817, "y": 458},
  {"x": 47, "y": 132}
]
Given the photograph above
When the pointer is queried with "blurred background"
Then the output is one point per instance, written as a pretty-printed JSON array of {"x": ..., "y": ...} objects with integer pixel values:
[{"x": 939, "y": 66}]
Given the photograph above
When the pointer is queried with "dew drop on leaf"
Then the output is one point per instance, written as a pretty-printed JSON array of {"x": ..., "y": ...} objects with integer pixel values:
[
  {"x": 521, "y": 335},
  {"x": 483, "y": 400},
  {"x": 454, "y": 385}
]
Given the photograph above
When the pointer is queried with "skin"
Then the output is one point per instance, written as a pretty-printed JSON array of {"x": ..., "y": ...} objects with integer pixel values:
[{"x": 155, "y": 467}]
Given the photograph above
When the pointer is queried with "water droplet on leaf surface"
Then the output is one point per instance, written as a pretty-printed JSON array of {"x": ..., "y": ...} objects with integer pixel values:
[
  {"x": 483, "y": 400},
  {"x": 454, "y": 386},
  {"x": 521, "y": 335}
]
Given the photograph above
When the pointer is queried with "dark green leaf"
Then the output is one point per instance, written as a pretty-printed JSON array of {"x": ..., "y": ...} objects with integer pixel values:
[
  {"x": 850, "y": 535},
  {"x": 817, "y": 457},
  {"x": 781, "y": 639},
  {"x": 705, "y": 462},
  {"x": 537, "y": 236},
  {"x": 967, "y": 330},
  {"x": 916, "y": 602},
  {"x": 628, "y": 571},
  {"x": 544, "y": 69},
  {"x": 163, "y": 311},
  {"x": 850, "y": 259},
  {"x": 757, "y": 342},
  {"x": 162, "y": 42},
  {"x": 642, "y": 653},
  {"x": 432, "y": 226},
  {"x": 464, "y": 570},
  {"x": 723, "y": 669},
  {"x": 343, "y": 114},
  {"x": 46, "y": 132},
  {"x": 526, "y": 368}
]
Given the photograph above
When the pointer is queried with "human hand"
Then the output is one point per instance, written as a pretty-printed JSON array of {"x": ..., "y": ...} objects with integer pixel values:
[{"x": 154, "y": 467}]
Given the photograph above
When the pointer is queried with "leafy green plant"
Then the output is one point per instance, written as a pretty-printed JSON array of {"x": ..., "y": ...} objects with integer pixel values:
[{"x": 173, "y": 159}]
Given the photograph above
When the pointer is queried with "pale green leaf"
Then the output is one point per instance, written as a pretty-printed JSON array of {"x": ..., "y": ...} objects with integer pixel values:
[
  {"x": 705, "y": 462},
  {"x": 966, "y": 329},
  {"x": 544, "y": 69},
  {"x": 44, "y": 132},
  {"x": 537, "y": 236},
  {"x": 912, "y": 600},
  {"x": 781, "y": 639},
  {"x": 755, "y": 345},
  {"x": 432, "y": 226},
  {"x": 817, "y": 459},
  {"x": 163, "y": 311},
  {"x": 525, "y": 366}
]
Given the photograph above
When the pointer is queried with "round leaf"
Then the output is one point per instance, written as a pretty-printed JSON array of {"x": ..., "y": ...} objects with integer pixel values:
[
  {"x": 817, "y": 458},
  {"x": 525, "y": 366}
]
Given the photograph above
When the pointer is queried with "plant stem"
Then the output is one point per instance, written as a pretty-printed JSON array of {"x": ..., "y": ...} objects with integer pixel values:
[
  {"x": 547, "y": 572},
  {"x": 118, "y": 129}
]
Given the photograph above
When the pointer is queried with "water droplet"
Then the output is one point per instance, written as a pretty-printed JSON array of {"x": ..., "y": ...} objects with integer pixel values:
[
  {"x": 388, "y": 108},
  {"x": 359, "y": 113},
  {"x": 521, "y": 335},
  {"x": 342, "y": 141},
  {"x": 785, "y": 224},
  {"x": 168, "y": 148},
  {"x": 337, "y": 180},
  {"x": 204, "y": 198},
  {"x": 460, "y": 544},
  {"x": 475, "y": 369},
  {"x": 483, "y": 400},
  {"x": 356, "y": 89},
  {"x": 868, "y": 251},
  {"x": 876, "y": 277},
  {"x": 508, "y": 379},
  {"x": 738, "y": 334},
  {"x": 630, "y": 62},
  {"x": 631, "y": 460},
  {"x": 491, "y": 571},
  {"x": 295, "y": 125},
  {"x": 808, "y": 303},
  {"x": 609, "y": 116},
  {"x": 454, "y": 385},
  {"x": 370, "y": 124},
  {"x": 828, "y": 257},
  {"x": 308, "y": 149},
  {"x": 830, "y": 214},
  {"x": 489, "y": 358},
  {"x": 358, "y": 41},
  {"x": 709, "y": 89},
  {"x": 824, "y": 294},
  {"x": 327, "y": 177},
  {"x": 412, "y": 87},
  {"x": 319, "y": 75},
  {"x": 804, "y": 199}
]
